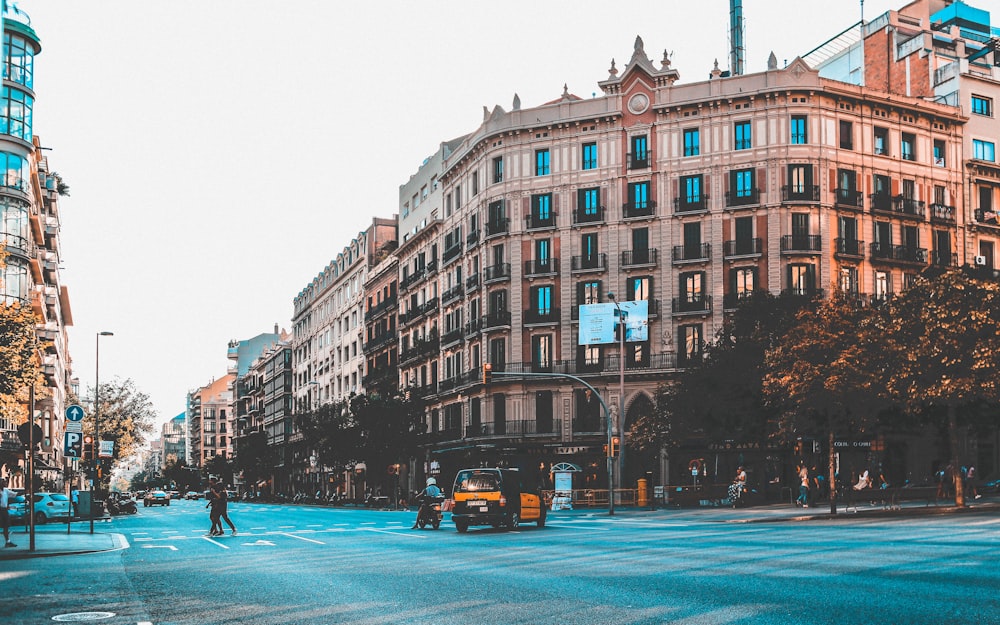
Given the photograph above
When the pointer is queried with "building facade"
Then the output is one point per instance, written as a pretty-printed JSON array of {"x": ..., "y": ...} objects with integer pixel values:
[
  {"x": 30, "y": 230},
  {"x": 209, "y": 421}
]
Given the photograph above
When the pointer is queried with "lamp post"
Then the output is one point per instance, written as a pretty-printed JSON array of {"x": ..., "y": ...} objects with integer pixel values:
[
  {"x": 621, "y": 382},
  {"x": 97, "y": 418}
]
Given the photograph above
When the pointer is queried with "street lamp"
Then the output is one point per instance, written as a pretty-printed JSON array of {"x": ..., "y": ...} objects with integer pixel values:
[
  {"x": 621, "y": 384},
  {"x": 97, "y": 418}
]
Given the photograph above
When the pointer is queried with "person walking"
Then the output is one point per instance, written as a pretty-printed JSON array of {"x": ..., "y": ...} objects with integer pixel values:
[
  {"x": 803, "y": 499},
  {"x": 221, "y": 502},
  {"x": 6, "y": 497},
  {"x": 213, "y": 508}
]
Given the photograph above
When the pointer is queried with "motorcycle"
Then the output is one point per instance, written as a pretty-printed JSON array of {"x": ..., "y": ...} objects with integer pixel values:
[
  {"x": 121, "y": 505},
  {"x": 429, "y": 512}
]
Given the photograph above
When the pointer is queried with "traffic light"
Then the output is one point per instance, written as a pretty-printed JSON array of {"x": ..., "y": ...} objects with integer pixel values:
[
  {"x": 88, "y": 447},
  {"x": 614, "y": 446},
  {"x": 487, "y": 373}
]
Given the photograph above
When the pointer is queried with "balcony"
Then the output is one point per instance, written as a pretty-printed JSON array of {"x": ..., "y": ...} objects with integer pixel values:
[
  {"x": 452, "y": 294},
  {"x": 750, "y": 197},
  {"x": 898, "y": 253},
  {"x": 421, "y": 349},
  {"x": 380, "y": 308},
  {"x": 691, "y": 305},
  {"x": 544, "y": 267},
  {"x": 698, "y": 253},
  {"x": 451, "y": 253},
  {"x": 687, "y": 205},
  {"x": 851, "y": 248},
  {"x": 637, "y": 160},
  {"x": 518, "y": 428},
  {"x": 639, "y": 258},
  {"x": 536, "y": 316},
  {"x": 497, "y": 227},
  {"x": 496, "y": 320},
  {"x": 415, "y": 313},
  {"x": 474, "y": 327},
  {"x": 800, "y": 193},
  {"x": 588, "y": 215},
  {"x": 898, "y": 206},
  {"x": 592, "y": 262},
  {"x": 943, "y": 214},
  {"x": 986, "y": 217},
  {"x": 472, "y": 239},
  {"x": 732, "y": 301},
  {"x": 432, "y": 266},
  {"x": 801, "y": 244},
  {"x": 638, "y": 210},
  {"x": 411, "y": 279},
  {"x": 534, "y": 222},
  {"x": 379, "y": 342},
  {"x": 472, "y": 282},
  {"x": 453, "y": 336},
  {"x": 742, "y": 248},
  {"x": 849, "y": 198},
  {"x": 497, "y": 272}
]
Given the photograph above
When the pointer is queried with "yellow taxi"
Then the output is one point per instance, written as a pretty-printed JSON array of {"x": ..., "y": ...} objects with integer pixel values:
[{"x": 497, "y": 497}]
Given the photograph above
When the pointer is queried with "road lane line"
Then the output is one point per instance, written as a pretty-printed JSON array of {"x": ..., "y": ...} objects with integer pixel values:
[
  {"x": 410, "y": 534},
  {"x": 308, "y": 540},
  {"x": 170, "y": 547},
  {"x": 214, "y": 542}
]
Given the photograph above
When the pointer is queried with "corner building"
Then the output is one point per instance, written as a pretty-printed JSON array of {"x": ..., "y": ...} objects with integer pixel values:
[{"x": 688, "y": 196}]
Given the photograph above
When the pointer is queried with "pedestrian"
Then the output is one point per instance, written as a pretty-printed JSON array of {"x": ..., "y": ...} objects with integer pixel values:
[
  {"x": 213, "y": 508},
  {"x": 803, "y": 499},
  {"x": 970, "y": 482},
  {"x": 221, "y": 505},
  {"x": 6, "y": 498}
]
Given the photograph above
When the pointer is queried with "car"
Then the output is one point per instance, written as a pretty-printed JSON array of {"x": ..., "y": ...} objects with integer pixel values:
[
  {"x": 174, "y": 494},
  {"x": 192, "y": 494},
  {"x": 156, "y": 498},
  {"x": 497, "y": 497},
  {"x": 49, "y": 506},
  {"x": 232, "y": 495}
]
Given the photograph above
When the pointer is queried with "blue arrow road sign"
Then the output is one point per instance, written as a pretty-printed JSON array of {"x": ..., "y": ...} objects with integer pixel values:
[{"x": 74, "y": 413}]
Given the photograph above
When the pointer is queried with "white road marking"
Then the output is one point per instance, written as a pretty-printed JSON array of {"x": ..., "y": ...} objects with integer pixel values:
[
  {"x": 410, "y": 534},
  {"x": 170, "y": 547},
  {"x": 214, "y": 542},
  {"x": 259, "y": 543},
  {"x": 308, "y": 540}
]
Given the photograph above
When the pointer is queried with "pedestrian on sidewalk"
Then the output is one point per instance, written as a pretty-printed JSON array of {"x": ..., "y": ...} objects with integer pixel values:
[
  {"x": 6, "y": 497},
  {"x": 803, "y": 499}
]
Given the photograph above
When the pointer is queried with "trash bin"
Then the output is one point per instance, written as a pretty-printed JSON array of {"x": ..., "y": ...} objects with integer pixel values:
[{"x": 643, "y": 492}]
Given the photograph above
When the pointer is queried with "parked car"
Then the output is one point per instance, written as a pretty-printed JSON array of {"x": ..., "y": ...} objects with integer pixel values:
[
  {"x": 156, "y": 498},
  {"x": 192, "y": 494},
  {"x": 48, "y": 506},
  {"x": 17, "y": 509}
]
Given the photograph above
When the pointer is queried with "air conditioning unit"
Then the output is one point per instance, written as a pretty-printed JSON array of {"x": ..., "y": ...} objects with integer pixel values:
[{"x": 981, "y": 261}]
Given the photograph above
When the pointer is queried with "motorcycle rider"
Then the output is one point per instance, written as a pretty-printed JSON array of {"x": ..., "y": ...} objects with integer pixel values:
[{"x": 426, "y": 496}]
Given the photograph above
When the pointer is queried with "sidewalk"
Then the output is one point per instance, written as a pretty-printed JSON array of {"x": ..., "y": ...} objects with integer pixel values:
[{"x": 51, "y": 539}]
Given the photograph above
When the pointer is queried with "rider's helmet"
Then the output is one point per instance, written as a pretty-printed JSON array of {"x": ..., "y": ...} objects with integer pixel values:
[{"x": 431, "y": 481}]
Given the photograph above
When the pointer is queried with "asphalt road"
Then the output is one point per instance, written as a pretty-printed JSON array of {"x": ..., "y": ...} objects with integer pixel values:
[{"x": 304, "y": 565}]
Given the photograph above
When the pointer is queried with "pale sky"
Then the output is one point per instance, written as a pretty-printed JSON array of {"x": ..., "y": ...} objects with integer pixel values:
[{"x": 220, "y": 153}]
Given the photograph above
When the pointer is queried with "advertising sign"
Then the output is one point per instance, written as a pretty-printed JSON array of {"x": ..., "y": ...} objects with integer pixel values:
[
  {"x": 107, "y": 449},
  {"x": 598, "y": 322}
]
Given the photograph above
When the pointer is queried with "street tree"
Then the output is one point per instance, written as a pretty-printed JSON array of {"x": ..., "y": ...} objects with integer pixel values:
[
  {"x": 220, "y": 467},
  {"x": 126, "y": 417},
  {"x": 817, "y": 378},
  {"x": 937, "y": 349},
  {"x": 19, "y": 361},
  {"x": 377, "y": 429},
  {"x": 255, "y": 459}
]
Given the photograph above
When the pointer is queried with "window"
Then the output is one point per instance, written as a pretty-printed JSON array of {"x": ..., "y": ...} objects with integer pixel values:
[
  {"x": 802, "y": 279},
  {"x": 588, "y": 243},
  {"x": 983, "y": 150},
  {"x": 475, "y": 183},
  {"x": 541, "y": 299},
  {"x": 939, "y": 148},
  {"x": 742, "y": 281},
  {"x": 638, "y": 193},
  {"x": 497, "y": 169},
  {"x": 690, "y": 343},
  {"x": 800, "y": 186},
  {"x": 846, "y": 135},
  {"x": 640, "y": 151},
  {"x": 691, "y": 190},
  {"x": 542, "y": 167},
  {"x": 744, "y": 242},
  {"x": 982, "y": 106},
  {"x": 693, "y": 285},
  {"x": 589, "y": 202},
  {"x": 588, "y": 292},
  {"x": 541, "y": 210},
  {"x": 589, "y": 156},
  {"x": 906, "y": 147},
  {"x": 20, "y": 59},
  {"x": 743, "y": 184},
  {"x": 692, "y": 142},
  {"x": 883, "y": 285},
  {"x": 15, "y": 171},
  {"x": 742, "y": 136},
  {"x": 881, "y": 141},
  {"x": 849, "y": 280},
  {"x": 541, "y": 352},
  {"x": 543, "y": 412},
  {"x": 15, "y": 114},
  {"x": 799, "y": 129},
  {"x": 639, "y": 289}
]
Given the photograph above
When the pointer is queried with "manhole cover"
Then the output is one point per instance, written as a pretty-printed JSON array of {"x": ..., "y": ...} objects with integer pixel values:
[{"x": 83, "y": 616}]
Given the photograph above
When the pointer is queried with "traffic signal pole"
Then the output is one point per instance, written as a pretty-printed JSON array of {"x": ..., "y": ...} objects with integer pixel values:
[{"x": 488, "y": 373}]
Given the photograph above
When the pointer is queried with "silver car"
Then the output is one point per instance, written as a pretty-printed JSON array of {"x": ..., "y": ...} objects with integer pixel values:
[{"x": 49, "y": 506}]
